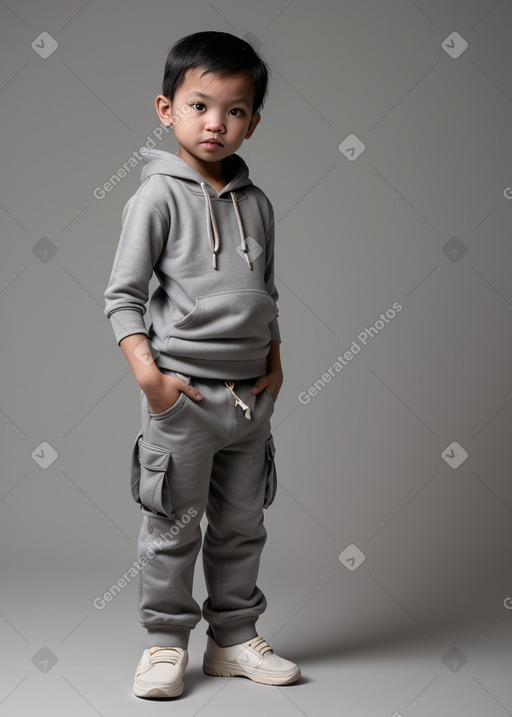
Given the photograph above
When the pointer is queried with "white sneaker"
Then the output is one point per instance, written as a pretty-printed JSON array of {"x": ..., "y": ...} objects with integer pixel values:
[
  {"x": 254, "y": 659},
  {"x": 160, "y": 671}
]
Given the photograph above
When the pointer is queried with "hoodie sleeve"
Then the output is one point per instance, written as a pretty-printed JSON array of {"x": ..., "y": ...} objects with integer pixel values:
[
  {"x": 143, "y": 235},
  {"x": 269, "y": 273}
]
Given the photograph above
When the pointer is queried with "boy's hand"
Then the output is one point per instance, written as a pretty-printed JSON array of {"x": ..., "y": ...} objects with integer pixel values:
[
  {"x": 163, "y": 391},
  {"x": 272, "y": 381}
]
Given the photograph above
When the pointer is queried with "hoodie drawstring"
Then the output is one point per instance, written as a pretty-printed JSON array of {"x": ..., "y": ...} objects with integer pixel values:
[
  {"x": 241, "y": 229},
  {"x": 211, "y": 225}
]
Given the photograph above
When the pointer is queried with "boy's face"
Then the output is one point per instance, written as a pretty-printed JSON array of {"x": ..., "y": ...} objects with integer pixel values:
[{"x": 209, "y": 107}]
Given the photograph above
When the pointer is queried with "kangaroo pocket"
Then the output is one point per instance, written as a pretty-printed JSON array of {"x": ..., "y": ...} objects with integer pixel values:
[
  {"x": 149, "y": 478},
  {"x": 228, "y": 325}
]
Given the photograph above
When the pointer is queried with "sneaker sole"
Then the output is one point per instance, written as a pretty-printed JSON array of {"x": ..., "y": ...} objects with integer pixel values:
[
  {"x": 218, "y": 668},
  {"x": 155, "y": 693}
]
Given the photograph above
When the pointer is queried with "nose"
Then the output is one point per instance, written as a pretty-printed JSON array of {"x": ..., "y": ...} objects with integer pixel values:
[{"x": 214, "y": 123}]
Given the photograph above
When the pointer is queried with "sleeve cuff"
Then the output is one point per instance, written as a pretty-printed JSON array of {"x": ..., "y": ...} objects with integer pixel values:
[
  {"x": 274, "y": 330},
  {"x": 126, "y": 322}
]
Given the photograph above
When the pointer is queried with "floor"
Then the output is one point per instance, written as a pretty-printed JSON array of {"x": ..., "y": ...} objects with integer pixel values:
[{"x": 82, "y": 663}]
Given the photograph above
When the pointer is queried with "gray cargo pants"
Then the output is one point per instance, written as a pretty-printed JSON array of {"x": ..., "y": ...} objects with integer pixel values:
[{"x": 196, "y": 457}]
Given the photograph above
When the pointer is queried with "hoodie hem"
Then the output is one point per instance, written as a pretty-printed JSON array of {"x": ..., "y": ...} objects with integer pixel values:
[{"x": 202, "y": 368}]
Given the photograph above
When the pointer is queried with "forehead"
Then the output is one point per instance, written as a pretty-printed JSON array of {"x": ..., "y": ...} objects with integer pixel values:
[{"x": 233, "y": 86}]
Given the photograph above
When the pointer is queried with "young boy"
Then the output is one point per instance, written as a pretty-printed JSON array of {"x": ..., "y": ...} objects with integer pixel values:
[{"x": 208, "y": 367}]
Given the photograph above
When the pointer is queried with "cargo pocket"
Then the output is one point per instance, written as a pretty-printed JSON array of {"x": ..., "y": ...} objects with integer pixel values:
[
  {"x": 271, "y": 481},
  {"x": 149, "y": 481},
  {"x": 135, "y": 468}
]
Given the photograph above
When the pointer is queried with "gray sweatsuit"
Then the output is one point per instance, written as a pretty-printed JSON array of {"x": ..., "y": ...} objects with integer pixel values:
[{"x": 213, "y": 316}]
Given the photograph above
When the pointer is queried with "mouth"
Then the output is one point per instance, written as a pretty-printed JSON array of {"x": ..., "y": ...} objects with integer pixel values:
[{"x": 212, "y": 143}]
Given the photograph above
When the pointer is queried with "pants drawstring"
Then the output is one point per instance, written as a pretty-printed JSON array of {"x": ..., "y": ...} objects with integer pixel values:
[{"x": 238, "y": 400}]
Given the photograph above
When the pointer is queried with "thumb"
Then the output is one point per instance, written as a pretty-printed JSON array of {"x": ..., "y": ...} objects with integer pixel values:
[
  {"x": 193, "y": 393},
  {"x": 190, "y": 391},
  {"x": 259, "y": 385}
]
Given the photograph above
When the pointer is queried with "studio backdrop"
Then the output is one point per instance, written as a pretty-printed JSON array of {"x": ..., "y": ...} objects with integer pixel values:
[{"x": 385, "y": 148}]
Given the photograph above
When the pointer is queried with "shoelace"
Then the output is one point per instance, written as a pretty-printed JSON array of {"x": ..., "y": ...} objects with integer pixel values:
[
  {"x": 165, "y": 654},
  {"x": 238, "y": 400},
  {"x": 260, "y": 645}
]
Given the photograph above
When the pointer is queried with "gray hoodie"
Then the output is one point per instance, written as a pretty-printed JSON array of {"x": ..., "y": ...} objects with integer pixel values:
[{"x": 214, "y": 312}]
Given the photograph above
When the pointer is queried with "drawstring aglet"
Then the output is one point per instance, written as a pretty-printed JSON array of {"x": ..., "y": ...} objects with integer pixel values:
[
  {"x": 246, "y": 254},
  {"x": 238, "y": 400}
]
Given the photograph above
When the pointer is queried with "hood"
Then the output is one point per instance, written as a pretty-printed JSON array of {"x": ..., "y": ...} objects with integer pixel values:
[{"x": 157, "y": 161}]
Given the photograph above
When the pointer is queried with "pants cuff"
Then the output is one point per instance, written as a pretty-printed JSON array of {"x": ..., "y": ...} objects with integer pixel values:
[
  {"x": 175, "y": 636},
  {"x": 234, "y": 634}
]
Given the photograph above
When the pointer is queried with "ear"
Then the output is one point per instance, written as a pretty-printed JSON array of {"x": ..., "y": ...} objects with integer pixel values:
[
  {"x": 253, "y": 124},
  {"x": 164, "y": 110}
]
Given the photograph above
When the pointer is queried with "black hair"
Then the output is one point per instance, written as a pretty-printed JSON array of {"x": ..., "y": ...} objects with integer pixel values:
[{"x": 219, "y": 53}]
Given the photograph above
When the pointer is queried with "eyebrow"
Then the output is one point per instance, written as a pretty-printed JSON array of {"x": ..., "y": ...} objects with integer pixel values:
[{"x": 241, "y": 100}]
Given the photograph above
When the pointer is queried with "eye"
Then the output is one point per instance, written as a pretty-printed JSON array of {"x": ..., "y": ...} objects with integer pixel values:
[
  {"x": 198, "y": 106},
  {"x": 238, "y": 110}
]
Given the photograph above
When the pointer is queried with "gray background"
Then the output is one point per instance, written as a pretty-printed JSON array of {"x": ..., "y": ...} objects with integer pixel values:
[{"x": 422, "y": 217}]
